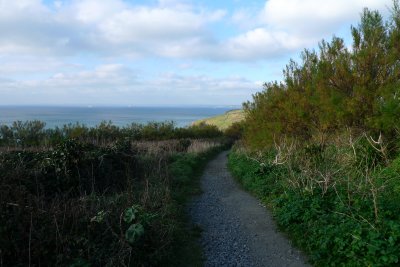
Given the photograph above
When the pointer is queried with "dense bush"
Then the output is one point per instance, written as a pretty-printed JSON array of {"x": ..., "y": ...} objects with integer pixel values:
[
  {"x": 34, "y": 134},
  {"x": 334, "y": 88},
  {"x": 331, "y": 172},
  {"x": 79, "y": 204},
  {"x": 235, "y": 131},
  {"x": 341, "y": 204}
]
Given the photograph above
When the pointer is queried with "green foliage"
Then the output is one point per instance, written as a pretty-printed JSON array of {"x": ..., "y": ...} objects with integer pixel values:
[
  {"x": 137, "y": 219},
  {"x": 34, "y": 134},
  {"x": 199, "y": 131},
  {"x": 130, "y": 214},
  {"x": 334, "y": 88},
  {"x": 350, "y": 219},
  {"x": 29, "y": 133},
  {"x": 134, "y": 232},
  {"x": 98, "y": 203},
  {"x": 235, "y": 131},
  {"x": 336, "y": 194},
  {"x": 182, "y": 167}
]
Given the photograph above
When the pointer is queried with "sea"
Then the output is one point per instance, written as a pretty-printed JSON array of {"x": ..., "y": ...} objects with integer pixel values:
[{"x": 121, "y": 116}]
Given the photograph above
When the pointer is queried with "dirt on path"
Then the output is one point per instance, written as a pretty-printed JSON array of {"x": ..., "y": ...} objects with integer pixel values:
[{"x": 237, "y": 229}]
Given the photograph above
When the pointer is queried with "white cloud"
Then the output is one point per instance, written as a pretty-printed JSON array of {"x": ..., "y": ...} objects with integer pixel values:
[
  {"x": 103, "y": 77},
  {"x": 169, "y": 28},
  {"x": 31, "y": 7},
  {"x": 285, "y": 26},
  {"x": 48, "y": 52},
  {"x": 105, "y": 84},
  {"x": 93, "y": 11},
  {"x": 314, "y": 17},
  {"x": 107, "y": 27},
  {"x": 29, "y": 27},
  {"x": 144, "y": 25},
  {"x": 30, "y": 65},
  {"x": 261, "y": 43}
]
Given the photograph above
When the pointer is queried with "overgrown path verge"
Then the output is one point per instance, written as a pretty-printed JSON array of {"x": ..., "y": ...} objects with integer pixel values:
[{"x": 237, "y": 229}]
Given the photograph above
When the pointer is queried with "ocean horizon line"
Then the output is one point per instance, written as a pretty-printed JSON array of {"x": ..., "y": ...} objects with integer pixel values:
[
  {"x": 121, "y": 106},
  {"x": 120, "y": 116}
]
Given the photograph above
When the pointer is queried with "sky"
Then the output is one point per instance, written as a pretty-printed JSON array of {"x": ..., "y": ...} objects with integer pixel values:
[{"x": 159, "y": 53}]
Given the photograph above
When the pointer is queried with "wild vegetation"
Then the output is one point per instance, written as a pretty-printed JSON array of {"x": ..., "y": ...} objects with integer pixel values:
[
  {"x": 35, "y": 134},
  {"x": 321, "y": 148},
  {"x": 335, "y": 88},
  {"x": 223, "y": 121},
  {"x": 102, "y": 196}
]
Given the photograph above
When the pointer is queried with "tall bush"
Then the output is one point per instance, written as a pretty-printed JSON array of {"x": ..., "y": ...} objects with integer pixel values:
[{"x": 334, "y": 88}]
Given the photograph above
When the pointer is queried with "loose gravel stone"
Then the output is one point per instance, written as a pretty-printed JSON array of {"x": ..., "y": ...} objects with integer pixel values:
[{"x": 237, "y": 229}]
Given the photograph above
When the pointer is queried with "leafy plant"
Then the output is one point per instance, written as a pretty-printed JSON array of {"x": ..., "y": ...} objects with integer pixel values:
[
  {"x": 71, "y": 205},
  {"x": 350, "y": 219},
  {"x": 134, "y": 232}
]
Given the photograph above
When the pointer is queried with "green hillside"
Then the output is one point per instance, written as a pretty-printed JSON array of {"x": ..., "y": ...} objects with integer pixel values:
[{"x": 225, "y": 120}]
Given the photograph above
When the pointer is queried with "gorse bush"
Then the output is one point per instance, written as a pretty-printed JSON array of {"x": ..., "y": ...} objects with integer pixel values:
[
  {"x": 321, "y": 148},
  {"x": 334, "y": 88}
]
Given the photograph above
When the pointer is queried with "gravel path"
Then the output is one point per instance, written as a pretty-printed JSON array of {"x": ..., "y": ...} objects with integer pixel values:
[{"x": 237, "y": 229}]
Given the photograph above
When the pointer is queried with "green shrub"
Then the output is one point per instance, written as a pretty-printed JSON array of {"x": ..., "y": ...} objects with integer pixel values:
[
  {"x": 235, "y": 131},
  {"x": 81, "y": 204},
  {"x": 336, "y": 226},
  {"x": 334, "y": 87},
  {"x": 32, "y": 134}
]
